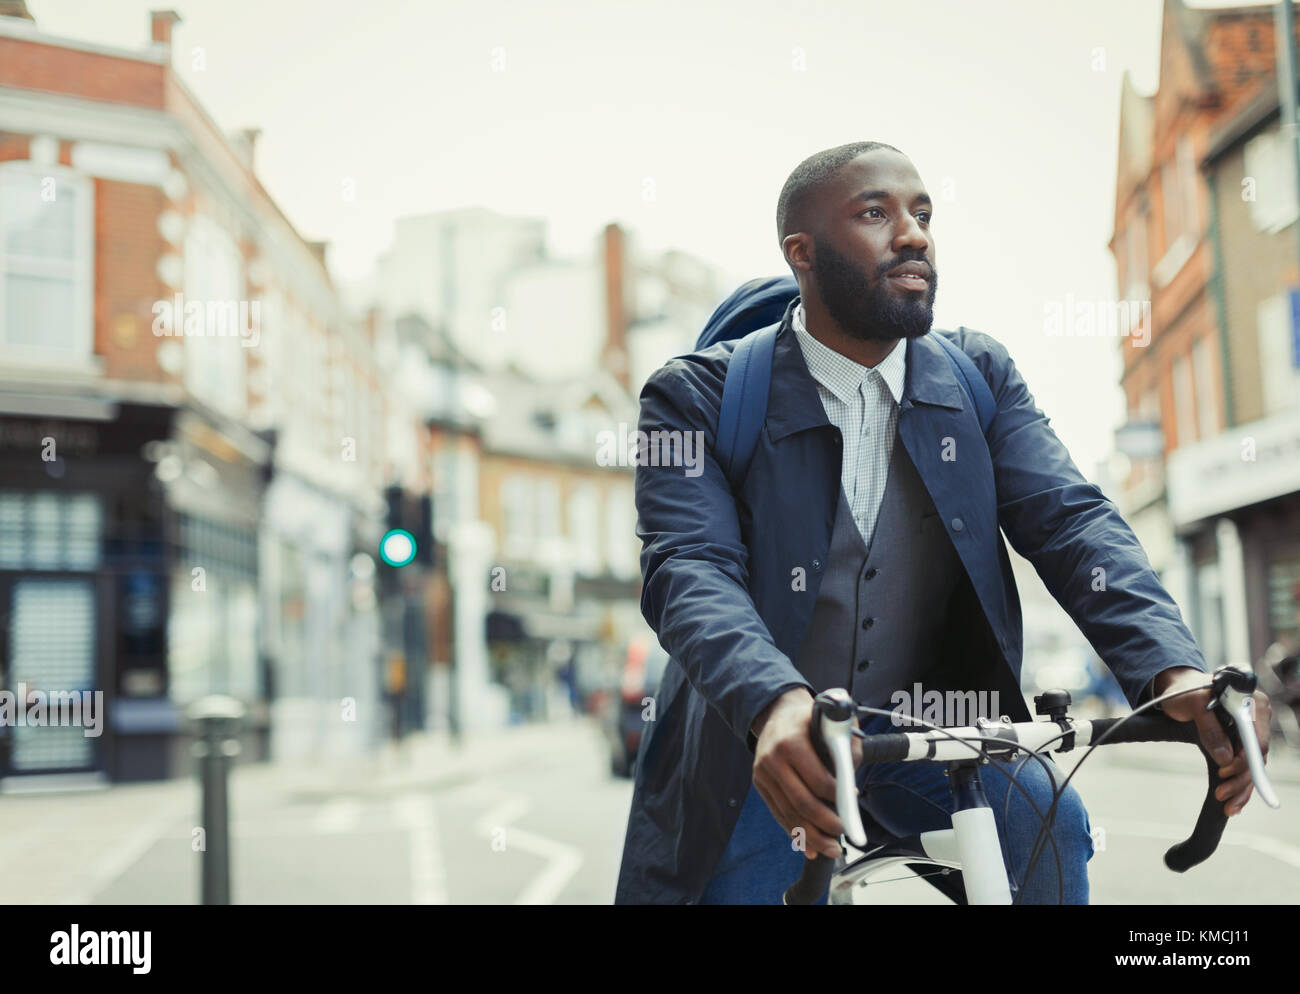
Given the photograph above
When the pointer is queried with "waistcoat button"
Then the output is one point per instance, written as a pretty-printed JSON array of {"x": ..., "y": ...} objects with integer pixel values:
[
  {"x": 871, "y": 573},
  {"x": 817, "y": 564},
  {"x": 863, "y": 665},
  {"x": 957, "y": 524},
  {"x": 731, "y": 802},
  {"x": 867, "y": 623}
]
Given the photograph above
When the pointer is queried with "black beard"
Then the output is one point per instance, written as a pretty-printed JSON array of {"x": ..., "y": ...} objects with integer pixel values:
[{"x": 866, "y": 309}]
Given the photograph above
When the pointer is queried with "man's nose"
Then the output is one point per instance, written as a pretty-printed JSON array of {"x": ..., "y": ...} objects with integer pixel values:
[{"x": 911, "y": 236}]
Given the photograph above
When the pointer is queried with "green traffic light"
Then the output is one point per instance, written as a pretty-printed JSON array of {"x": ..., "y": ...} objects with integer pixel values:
[{"x": 397, "y": 547}]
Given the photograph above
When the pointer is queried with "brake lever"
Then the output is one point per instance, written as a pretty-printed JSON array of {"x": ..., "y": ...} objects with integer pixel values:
[
  {"x": 1236, "y": 700},
  {"x": 834, "y": 712}
]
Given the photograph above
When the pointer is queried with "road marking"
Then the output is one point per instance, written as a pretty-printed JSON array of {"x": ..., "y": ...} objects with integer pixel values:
[
  {"x": 1266, "y": 845},
  {"x": 562, "y": 860},
  {"x": 428, "y": 879},
  {"x": 339, "y": 814}
]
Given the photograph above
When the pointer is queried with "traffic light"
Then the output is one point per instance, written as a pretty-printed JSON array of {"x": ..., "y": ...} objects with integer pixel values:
[
  {"x": 397, "y": 547},
  {"x": 409, "y": 534}
]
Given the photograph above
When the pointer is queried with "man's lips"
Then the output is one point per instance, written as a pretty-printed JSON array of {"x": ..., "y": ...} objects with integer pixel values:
[{"x": 911, "y": 275}]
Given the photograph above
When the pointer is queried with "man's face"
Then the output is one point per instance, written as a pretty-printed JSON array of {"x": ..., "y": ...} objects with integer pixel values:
[{"x": 873, "y": 258}]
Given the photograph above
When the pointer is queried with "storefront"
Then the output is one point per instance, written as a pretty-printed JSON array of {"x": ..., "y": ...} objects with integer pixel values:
[
  {"x": 1235, "y": 504},
  {"x": 83, "y": 580}
]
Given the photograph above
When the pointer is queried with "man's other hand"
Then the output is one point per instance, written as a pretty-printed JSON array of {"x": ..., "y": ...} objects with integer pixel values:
[
  {"x": 1236, "y": 788},
  {"x": 791, "y": 779}
]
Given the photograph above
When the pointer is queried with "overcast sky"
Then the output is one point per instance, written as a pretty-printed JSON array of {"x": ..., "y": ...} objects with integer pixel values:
[{"x": 682, "y": 118}]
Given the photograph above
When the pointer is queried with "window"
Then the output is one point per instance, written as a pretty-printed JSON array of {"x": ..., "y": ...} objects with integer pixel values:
[
  {"x": 1184, "y": 402},
  {"x": 50, "y": 531},
  {"x": 1172, "y": 203},
  {"x": 214, "y": 357},
  {"x": 1270, "y": 163},
  {"x": 620, "y": 535},
  {"x": 1279, "y": 370},
  {"x": 548, "y": 509},
  {"x": 584, "y": 529},
  {"x": 1178, "y": 189},
  {"x": 1187, "y": 189},
  {"x": 1135, "y": 256},
  {"x": 517, "y": 511},
  {"x": 46, "y": 263},
  {"x": 1207, "y": 421}
]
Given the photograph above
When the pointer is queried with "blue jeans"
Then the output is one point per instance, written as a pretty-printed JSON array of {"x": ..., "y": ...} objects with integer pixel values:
[{"x": 906, "y": 799}]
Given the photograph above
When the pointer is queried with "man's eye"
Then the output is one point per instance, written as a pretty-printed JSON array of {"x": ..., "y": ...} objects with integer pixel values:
[
  {"x": 870, "y": 209},
  {"x": 923, "y": 217}
]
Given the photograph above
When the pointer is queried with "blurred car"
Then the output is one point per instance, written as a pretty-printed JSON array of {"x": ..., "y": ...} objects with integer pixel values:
[{"x": 624, "y": 722}]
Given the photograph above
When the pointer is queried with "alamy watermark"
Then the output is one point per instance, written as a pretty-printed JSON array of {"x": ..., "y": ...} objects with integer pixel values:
[
  {"x": 658, "y": 447},
  {"x": 945, "y": 708},
  {"x": 1073, "y": 318},
  {"x": 54, "y": 708},
  {"x": 209, "y": 319}
]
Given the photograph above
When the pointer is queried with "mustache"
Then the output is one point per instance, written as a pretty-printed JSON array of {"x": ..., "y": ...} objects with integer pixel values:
[{"x": 886, "y": 267}]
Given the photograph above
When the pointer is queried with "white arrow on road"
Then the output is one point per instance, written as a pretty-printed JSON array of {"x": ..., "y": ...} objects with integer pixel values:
[{"x": 563, "y": 861}]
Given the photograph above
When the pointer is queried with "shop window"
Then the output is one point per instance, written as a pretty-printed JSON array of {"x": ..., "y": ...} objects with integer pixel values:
[
  {"x": 1283, "y": 608},
  {"x": 50, "y": 531}
]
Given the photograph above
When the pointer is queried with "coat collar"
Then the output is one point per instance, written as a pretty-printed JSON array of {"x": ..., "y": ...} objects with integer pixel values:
[{"x": 795, "y": 405}]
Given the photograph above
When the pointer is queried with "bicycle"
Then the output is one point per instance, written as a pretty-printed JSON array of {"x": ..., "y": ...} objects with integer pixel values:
[{"x": 965, "y": 862}]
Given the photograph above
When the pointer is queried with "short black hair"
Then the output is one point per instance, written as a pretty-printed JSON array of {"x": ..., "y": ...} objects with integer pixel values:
[{"x": 809, "y": 176}]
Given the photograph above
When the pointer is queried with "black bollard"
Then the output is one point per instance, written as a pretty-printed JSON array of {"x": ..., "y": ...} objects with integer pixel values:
[{"x": 217, "y": 721}]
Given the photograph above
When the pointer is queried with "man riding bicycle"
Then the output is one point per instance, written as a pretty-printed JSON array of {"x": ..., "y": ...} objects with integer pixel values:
[{"x": 861, "y": 549}]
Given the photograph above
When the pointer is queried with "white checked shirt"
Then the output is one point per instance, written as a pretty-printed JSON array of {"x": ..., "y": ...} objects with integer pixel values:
[{"x": 862, "y": 402}]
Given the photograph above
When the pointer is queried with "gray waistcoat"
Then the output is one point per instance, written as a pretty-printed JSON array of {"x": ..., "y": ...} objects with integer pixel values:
[{"x": 880, "y": 612}]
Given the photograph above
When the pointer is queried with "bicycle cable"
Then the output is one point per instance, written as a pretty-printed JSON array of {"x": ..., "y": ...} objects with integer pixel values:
[
  {"x": 1057, "y": 794},
  {"x": 986, "y": 756}
]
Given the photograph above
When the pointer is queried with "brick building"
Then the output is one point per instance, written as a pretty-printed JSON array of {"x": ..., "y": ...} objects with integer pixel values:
[
  {"x": 1203, "y": 230},
  {"x": 192, "y": 434}
]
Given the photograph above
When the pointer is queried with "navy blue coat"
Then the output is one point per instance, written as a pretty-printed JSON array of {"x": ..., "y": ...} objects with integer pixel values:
[{"x": 718, "y": 575}]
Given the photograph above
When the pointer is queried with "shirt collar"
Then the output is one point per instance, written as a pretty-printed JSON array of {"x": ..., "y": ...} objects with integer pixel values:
[{"x": 841, "y": 375}]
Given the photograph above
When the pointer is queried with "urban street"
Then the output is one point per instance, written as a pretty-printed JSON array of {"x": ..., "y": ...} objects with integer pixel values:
[{"x": 532, "y": 816}]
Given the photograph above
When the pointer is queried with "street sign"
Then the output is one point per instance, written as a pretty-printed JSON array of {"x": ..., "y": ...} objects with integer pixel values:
[{"x": 1140, "y": 439}]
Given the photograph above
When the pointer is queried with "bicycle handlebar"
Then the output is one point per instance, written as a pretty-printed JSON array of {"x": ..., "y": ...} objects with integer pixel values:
[{"x": 1232, "y": 692}]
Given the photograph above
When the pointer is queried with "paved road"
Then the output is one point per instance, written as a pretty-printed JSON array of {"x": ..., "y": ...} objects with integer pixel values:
[
  {"x": 532, "y": 816},
  {"x": 1146, "y": 797}
]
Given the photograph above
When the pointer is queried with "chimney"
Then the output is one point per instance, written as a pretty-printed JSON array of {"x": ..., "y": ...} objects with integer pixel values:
[
  {"x": 614, "y": 354},
  {"x": 16, "y": 8},
  {"x": 160, "y": 22},
  {"x": 248, "y": 139}
]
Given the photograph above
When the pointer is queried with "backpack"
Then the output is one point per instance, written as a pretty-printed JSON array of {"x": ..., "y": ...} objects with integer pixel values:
[{"x": 753, "y": 314}]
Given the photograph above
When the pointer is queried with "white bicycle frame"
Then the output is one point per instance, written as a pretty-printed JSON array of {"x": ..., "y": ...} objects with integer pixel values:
[{"x": 971, "y": 845}]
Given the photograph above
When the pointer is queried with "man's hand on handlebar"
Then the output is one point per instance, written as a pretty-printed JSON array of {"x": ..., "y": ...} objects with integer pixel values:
[
  {"x": 790, "y": 777},
  {"x": 1237, "y": 785}
]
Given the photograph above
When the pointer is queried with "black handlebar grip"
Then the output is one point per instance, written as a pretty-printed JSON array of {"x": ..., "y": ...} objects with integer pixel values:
[
  {"x": 885, "y": 748},
  {"x": 1210, "y": 824},
  {"x": 1159, "y": 727},
  {"x": 1212, "y": 820},
  {"x": 813, "y": 882}
]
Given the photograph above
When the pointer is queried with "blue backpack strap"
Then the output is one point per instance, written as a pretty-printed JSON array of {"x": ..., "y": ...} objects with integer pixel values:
[
  {"x": 973, "y": 382},
  {"x": 744, "y": 401}
]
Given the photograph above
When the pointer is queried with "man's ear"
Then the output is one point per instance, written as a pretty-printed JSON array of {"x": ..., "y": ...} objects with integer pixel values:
[{"x": 798, "y": 251}]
